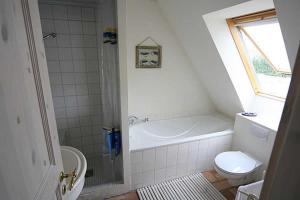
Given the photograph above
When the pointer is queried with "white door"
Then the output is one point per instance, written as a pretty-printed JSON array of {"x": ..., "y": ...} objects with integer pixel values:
[{"x": 30, "y": 157}]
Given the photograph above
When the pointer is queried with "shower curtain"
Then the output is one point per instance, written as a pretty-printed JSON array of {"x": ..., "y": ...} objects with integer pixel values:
[{"x": 110, "y": 92}]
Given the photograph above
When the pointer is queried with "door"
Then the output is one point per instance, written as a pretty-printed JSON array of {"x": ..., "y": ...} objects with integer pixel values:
[{"x": 30, "y": 157}]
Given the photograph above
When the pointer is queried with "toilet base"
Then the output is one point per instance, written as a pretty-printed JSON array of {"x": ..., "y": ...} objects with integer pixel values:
[{"x": 237, "y": 180}]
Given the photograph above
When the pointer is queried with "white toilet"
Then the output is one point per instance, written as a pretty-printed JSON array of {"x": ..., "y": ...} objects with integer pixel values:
[{"x": 238, "y": 167}]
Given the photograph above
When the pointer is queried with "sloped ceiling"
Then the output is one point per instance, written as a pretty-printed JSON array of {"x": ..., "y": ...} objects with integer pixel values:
[{"x": 185, "y": 17}]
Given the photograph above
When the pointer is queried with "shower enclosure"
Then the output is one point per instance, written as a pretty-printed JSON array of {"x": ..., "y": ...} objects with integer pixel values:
[{"x": 81, "y": 50}]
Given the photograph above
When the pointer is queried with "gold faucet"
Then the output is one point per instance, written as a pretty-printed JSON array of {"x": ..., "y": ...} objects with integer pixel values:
[{"x": 73, "y": 176}]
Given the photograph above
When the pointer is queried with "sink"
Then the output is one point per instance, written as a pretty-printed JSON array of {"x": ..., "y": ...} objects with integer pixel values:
[{"x": 73, "y": 159}]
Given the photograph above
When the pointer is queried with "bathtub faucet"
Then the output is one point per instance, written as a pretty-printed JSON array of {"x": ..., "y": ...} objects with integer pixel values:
[
  {"x": 146, "y": 119},
  {"x": 133, "y": 120}
]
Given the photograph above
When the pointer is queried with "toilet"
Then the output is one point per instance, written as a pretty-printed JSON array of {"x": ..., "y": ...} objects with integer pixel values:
[{"x": 238, "y": 167}]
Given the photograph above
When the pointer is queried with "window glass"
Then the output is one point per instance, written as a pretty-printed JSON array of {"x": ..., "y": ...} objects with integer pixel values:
[{"x": 267, "y": 56}]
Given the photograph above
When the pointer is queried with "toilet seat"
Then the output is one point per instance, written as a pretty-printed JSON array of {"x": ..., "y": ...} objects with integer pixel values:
[{"x": 235, "y": 162}]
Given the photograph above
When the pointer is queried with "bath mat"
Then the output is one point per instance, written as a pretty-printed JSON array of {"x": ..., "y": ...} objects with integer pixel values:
[{"x": 193, "y": 187}]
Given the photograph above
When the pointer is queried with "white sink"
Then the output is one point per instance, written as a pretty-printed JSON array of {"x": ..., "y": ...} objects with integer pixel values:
[{"x": 73, "y": 159}]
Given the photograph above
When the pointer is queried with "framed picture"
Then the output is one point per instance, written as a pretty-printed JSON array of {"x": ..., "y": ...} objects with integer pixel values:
[{"x": 148, "y": 56}]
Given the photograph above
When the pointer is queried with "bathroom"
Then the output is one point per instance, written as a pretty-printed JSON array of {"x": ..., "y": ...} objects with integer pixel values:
[{"x": 146, "y": 99}]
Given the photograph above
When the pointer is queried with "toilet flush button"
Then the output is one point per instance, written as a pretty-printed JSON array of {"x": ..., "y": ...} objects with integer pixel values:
[{"x": 260, "y": 132}]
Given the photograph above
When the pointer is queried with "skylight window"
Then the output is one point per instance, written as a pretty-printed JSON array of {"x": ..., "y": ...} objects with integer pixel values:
[{"x": 260, "y": 44}]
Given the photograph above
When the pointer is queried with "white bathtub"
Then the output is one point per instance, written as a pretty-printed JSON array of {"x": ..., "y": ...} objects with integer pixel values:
[
  {"x": 166, "y": 149},
  {"x": 172, "y": 131}
]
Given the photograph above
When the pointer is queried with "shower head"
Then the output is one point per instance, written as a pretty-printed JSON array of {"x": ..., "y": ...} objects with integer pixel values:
[{"x": 53, "y": 35}]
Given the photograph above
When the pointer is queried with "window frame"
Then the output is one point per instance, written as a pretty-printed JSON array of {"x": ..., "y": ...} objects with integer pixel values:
[{"x": 236, "y": 35}]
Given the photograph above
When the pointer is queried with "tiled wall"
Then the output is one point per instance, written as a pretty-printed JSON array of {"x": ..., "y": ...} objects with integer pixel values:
[
  {"x": 158, "y": 164},
  {"x": 74, "y": 74}
]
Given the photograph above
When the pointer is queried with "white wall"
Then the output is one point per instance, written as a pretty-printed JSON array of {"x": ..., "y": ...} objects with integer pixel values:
[
  {"x": 74, "y": 74},
  {"x": 186, "y": 20},
  {"x": 245, "y": 140},
  {"x": 173, "y": 90},
  {"x": 289, "y": 18}
]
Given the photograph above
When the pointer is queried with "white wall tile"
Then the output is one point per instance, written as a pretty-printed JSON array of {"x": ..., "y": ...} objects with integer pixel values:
[
  {"x": 148, "y": 177},
  {"x": 51, "y": 53},
  {"x": 91, "y": 53},
  {"x": 83, "y": 111},
  {"x": 160, "y": 175},
  {"x": 70, "y": 101},
  {"x": 93, "y": 77},
  {"x": 86, "y": 130},
  {"x": 59, "y": 102},
  {"x": 94, "y": 89},
  {"x": 85, "y": 121},
  {"x": 72, "y": 112},
  {"x": 160, "y": 157},
  {"x": 68, "y": 78},
  {"x": 82, "y": 90},
  {"x": 63, "y": 40},
  {"x": 172, "y": 155},
  {"x": 74, "y": 12},
  {"x": 182, "y": 170},
  {"x": 66, "y": 66},
  {"x": 136, "y": 167},
  {"x": 65, "y": 53},
  {"x": 83, "y": 100},
  {"x": 53, "y": 66},
  {"x": 95, "y": 99},
  {"x": 78, "y": 53},
  {"x": 73, "y": 122},
  {"x": 61, "y": 26},
  {"x": 80, "y": 78},
  {"x": 59, "y": 12},
  {"x": 137, "y": 178},
  {"x": 79, "y": 66},
  {"x": 55, "y": 78},
  {"x": 57, "y": 90},
  {"x": 171, "y": 172},
  {"x": 148, "y": 160},
  {"x": 77, "y": 103},
  {"x": 92, "y": 66},
  {"x": 89, "y": 41},
  {"x": 136, "y": 156},
  {"x": 183, "y": 153},
  {"x": 89, "y": 28},
  {"x": 47, "y": 26},
  {"x": 50, "y": 42},
  {"x": 62, "y": 123},
  {"x": 60, "y": 112},
  {"x": 193, "y": 153},
  {"x": 69, "y": 90},
  {"x": 77, "y": 41},
  {"x": 45, "y": 11},
  {"x": 75, "y": 132},
  {"x": 75, "y": 27},
  {"x": 88, "y": 14}
]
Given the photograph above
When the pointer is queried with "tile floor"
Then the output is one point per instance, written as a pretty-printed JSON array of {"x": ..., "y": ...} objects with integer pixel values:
[
  {"x": 212, "y": 176},
  {"x": 104, "y": 170}
]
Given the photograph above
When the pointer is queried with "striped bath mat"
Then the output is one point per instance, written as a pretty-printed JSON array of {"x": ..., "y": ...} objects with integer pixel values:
[{"x": 193, "y": 187}]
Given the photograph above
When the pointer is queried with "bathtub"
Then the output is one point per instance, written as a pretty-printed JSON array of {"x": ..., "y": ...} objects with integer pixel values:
[
  {"x": 165, "y": 149},
  {"x": 171, "y": 131}
]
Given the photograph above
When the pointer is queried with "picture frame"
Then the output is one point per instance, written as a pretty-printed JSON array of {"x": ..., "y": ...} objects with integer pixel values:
[{"x": 148, "y": 56}]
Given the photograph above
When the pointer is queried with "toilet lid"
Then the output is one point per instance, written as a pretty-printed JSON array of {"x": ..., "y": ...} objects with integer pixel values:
[{"x": 235, "y": 162}]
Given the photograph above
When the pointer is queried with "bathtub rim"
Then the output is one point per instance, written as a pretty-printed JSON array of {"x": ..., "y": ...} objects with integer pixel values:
[{"x": 228, "y": 131}]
